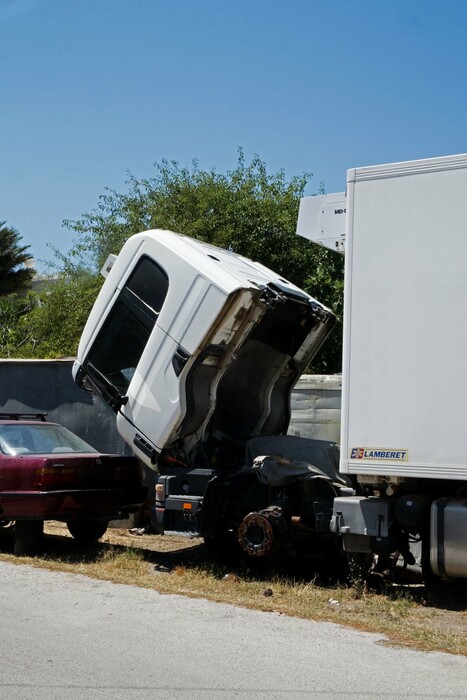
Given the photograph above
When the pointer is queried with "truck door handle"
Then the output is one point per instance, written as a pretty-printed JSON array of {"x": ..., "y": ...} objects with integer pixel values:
[{"x": 179, "y": 360}]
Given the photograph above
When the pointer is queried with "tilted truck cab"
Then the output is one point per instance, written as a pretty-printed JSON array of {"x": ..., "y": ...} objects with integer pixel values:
[{"x": 197, "y": 350}]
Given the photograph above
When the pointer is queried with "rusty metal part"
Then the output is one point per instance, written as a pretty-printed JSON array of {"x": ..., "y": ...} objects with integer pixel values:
[
  {"x": 297, "y": 521},
  {"x": 256, "y": 535}
]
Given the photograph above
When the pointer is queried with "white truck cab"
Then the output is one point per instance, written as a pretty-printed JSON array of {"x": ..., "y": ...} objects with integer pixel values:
[
  {"x": 196, "y": 350},
  {"x": 187, "y": 341}
]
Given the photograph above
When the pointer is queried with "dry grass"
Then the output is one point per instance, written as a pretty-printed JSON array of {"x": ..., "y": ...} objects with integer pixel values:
[{"x": 172, "y": 566}]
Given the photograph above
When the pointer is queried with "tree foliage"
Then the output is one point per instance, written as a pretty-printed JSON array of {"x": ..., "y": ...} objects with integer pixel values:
[
  {"x": 14, "y": 276},
  {"x": 14, "y": 310},
  {"x": 247, "y": 210},
  {"x": 47, "y": 324}
]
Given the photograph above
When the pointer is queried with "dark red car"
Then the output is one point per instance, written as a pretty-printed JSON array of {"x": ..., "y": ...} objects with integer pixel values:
[{"x": 48, "y": 473}]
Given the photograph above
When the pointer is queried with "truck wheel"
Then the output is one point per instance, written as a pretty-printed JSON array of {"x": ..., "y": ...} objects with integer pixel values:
[
  {"x": 87, "y": 531},
  {"x": 29, "y": 538},
  {"x": 259, "y": 533}
]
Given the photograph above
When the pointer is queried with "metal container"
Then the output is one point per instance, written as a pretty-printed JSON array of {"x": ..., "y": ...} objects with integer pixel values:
[{"x": 448, "y": 537}]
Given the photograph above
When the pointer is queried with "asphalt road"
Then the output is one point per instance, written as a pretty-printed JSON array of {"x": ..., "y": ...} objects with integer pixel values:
[{"x": 70, "y": 637}]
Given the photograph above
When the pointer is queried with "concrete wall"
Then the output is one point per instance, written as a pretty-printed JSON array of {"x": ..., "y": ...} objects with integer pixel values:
[
  {"x": 31, "y": 386},
  {"x": 47, "y": 385},
  {"x": 316, "y": 407}
]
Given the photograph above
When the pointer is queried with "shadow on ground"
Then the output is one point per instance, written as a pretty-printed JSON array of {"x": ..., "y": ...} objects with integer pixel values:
[{"x": 168, "y": 553}]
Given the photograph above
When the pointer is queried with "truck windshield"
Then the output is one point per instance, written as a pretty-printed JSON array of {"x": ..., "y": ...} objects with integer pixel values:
[
  {"x": 120, "y": 343},
  {"x": 119, "y": 346}
]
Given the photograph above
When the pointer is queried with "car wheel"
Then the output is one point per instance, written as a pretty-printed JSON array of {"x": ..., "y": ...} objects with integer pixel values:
[
  {"x": 29, "y": 538},
  {"x": 87, "y": 531}
]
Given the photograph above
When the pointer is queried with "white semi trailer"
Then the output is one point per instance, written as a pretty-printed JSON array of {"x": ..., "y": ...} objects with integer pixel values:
[{"x": 403, "y": 228}]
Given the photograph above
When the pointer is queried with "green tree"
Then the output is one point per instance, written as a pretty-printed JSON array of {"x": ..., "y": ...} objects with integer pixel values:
[
  {"x": 54, "y": 323},
  {"x": 14, "y": 276},
  {"x": 326, "y": 283},
  {"x": 247, "y": 210},
  {"x": 13, "y": 331}
]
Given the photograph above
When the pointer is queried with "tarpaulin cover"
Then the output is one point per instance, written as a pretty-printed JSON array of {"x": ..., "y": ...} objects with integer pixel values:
[{"x": 303, "y": 457}]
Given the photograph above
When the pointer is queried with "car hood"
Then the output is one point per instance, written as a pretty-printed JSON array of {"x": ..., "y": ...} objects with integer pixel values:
[{"x": 240, "y": 382}]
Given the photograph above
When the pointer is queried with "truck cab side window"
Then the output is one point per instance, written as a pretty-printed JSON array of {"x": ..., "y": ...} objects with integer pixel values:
[{"x": 149, "y": 283}]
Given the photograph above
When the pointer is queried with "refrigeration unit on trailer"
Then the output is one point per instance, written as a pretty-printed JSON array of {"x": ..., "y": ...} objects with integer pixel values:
[{"x": 403, "y": 227}]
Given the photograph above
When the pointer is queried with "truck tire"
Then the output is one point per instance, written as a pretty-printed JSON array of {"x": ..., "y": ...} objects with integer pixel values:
[
  {"x": 28, "y": 538},
  {"x": 87, "y": 531}
]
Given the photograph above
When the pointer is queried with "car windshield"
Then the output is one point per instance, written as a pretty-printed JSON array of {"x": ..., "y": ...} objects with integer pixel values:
[{"x": 36, "y": 439}]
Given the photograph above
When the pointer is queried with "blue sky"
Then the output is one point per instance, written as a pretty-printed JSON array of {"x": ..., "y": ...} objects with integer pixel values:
[{"x": 92, "y": 89}]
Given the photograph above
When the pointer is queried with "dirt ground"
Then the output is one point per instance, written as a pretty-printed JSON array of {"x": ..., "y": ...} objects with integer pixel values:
[{"x": 124, "y": 537}]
